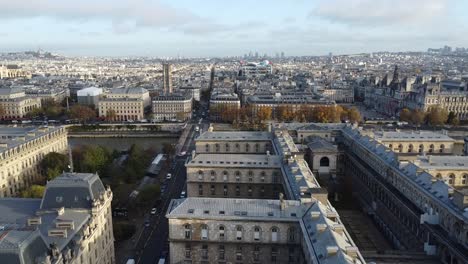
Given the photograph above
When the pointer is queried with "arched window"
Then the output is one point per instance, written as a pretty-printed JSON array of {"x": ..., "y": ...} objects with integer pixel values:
[
  {"x": 410, "y": 148},
  {"x": 464, "y": 179},
  {"x": 204, "y": 232},
  {"x": 207, "y": 148},
  {"x": 431, "y": 148},
  {"x": 439, "y": 176},
  {"x": 221, "y": 232},
  {"x": 390, "y": 146},
  {"x": 188, "y": 231},
  {"x": 442, "y": 148},
  {"x": 257, "y": 231},
  {"x": 400, "y": 148},
  {"x": 324, "y": 162},
  {"x": 451, "y": 179},
  {"x": 212, "y": 173},
  {"x": 217, "y": 147},
  {"x": 237, "y": 146},
  {"x": 274, "y": 234},
  {"x": 247, "y": 147},
  {"x": 225, "y": 175},
  {"x": 227, "y": 147},
  {"x": 239, "y": 232},
  {"x": 200, "y": 172},
  {"x": 421, "y": 148}
]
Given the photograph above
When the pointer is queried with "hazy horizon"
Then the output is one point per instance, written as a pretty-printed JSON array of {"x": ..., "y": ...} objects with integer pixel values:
[{"x": 163, "y": 28}]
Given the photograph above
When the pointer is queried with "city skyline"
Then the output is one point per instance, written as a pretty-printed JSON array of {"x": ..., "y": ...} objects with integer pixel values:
[{"x": 187, "y": 29}]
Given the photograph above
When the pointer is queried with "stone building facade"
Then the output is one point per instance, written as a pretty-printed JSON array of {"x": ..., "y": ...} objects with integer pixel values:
[
  {"x": 232, "y": 142},
  {"x": 172, "y": 107},
  {"x": 21, "y": 151},
  {"x": 122, "y": 109},
  {"x": 16, "y": 104},
  {"x": 256, "y": 236},
  {"x": 453, "y": 170},
  {"x": 253, "y": 176},
  {"x": 72, "y": 223}
]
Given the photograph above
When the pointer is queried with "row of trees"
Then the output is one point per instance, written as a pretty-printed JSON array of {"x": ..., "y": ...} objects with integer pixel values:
[
  {"x": 251, "y": 117},
  {"x": 434, "y": 116}
]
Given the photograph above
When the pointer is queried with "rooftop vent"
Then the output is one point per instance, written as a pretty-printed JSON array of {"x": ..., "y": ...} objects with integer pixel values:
[
  {"x": 352, "y": 251},
  {"x": 57, "y": 233},
  {"x": 66, "y": 224},
  {"x": 315, "y": 215},
  {"x": 332, "y": 250},
  {"x": 321, "y": 227},
  {"x": 34, "y": 221}
]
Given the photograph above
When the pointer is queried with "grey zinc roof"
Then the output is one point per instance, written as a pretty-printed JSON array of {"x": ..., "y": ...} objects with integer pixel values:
[
  {"x": 131, "y": 90},
  {"x": 234, "y": 136},
  {"x": 411, "y": 136},
  {"x": 15, "y": 211},
  {"x": 21, "y": 247},
  {"x": 321, "y": 145},
  {"x": 238, "y": 209},
  {"x": 10, "y": 90},
  {"x": 15, "y": 136},
  {"x": 236, "y": 160},
  {"x": 443, "y": 162},
  {"x": 72, "y": 190}
]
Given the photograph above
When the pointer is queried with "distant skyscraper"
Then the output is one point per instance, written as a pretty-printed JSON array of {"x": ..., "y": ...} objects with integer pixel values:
[
  {"x": 256, "y": 54},
  {"x": 282, "y": 54},
  {"x": 167, "y": 73},
  {"x": 277, "y": 55}
]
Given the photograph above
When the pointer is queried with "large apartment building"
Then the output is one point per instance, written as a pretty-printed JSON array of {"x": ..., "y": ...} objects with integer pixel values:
[
  {"x": 15, "y": 103},
  {"x": 21, "y": 151},
  {"x": 419, "y": 205},
  {"x": 172, "y": 107},
  {"x": 72, "y": 223},
  {"x": 286, "y": 217},
  {"x": 124, "y": 104}
]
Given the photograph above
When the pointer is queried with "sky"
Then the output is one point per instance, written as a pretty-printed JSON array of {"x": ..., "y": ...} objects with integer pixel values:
[{"x": 208, "y": 28}]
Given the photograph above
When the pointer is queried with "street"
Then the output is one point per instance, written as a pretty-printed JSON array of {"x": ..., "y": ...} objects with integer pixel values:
[{"x": 152, "y": 242}]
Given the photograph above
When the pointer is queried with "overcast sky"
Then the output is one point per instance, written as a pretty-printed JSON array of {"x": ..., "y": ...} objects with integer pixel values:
[{"x": 227, "y": 28}]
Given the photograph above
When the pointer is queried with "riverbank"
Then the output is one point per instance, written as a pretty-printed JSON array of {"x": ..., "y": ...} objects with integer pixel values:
[{"x": 122, "y": 134}]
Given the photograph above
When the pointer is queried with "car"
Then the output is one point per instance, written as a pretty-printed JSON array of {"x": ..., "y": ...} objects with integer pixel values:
[
  {"x": 154, "y": 211},
  {"x": 183, "y": 153},
  {"x": 197, "y": 129},
  {"x": 182, "y": 194},
  {"x": 168, "y": 176}
]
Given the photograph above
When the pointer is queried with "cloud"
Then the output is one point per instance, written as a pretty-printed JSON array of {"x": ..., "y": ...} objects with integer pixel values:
[
  {"x": 124, "y": 15},
  {"x": 380, "y": 12}
]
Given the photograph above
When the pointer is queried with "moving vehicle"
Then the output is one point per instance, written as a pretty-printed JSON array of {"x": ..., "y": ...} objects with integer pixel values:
[
  {"x": 182, "y": 194},
  {"x": 169, "y": 176},
  {"x": 197, "y": 129},
  {"x": 154, "y": 211},
  {"x": 130, "y": 261}
]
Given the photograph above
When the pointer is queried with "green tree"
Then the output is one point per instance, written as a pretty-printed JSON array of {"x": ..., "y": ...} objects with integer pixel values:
[
  {"x": 149, "y": 193},
  {"x": 417, "y": 117},
  {"x": 2, "y": 111},
  {"x": 53, "y": 164},
  {"x": 405, "y": 115},
  {"x": 111, "y": 115},
  {"x": 91, "y": 158},
  {"x": 437, "y": 116},
  {"x": 82, "y": 113},
  {"x": 51, "y": 108},
  {"x": 354, "y": 116},
  {"x": 453, "y": 119},
  {"x": 34, "y": 191}
]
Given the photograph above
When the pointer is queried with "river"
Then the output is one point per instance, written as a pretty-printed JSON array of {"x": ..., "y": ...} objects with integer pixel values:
[{"x": 121, "y": 144}]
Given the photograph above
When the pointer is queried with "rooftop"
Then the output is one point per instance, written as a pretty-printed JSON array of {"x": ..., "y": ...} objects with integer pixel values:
[
  {"x": 236, "y": 160},
  {"x": 235, "y": 136},
  {"x": 410, "y": 136},
  {"x": 442, "y": 162}
]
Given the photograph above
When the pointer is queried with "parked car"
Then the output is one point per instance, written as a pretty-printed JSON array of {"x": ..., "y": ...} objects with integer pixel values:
[{"x": 182, "y": 194}]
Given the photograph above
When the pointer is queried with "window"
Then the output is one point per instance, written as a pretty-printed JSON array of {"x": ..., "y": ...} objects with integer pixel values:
[
  {"x": 400, "y": 148},
  {"x": 239, "y": 253},
  {"x": 204, "y": 252},
  {"x": 200, "y": 189},
  {"x": 225, "y": 190},
  {"x": 410, "y": 148},
  {"x": 451, "y": 179},
  {"x": 256, "y": 233},
  {"x": 249, "y": 191},
  {"x": 188, "y": 251},
  {"x": 421, "y": 148},
  {"x": 188, "y": 231},
  {"x": 225, "y": 175},
  {"x": 464, "y": 179},
  {"x": 324, "y": 162},
  {"x": 438, "y": 176},
  {"x": 292, "y": 234},
  {"x": 237, "y": 190},
  {"x": 442, "y": 148},
  {"x": 274, "y": 234},
  {"x": 221, "y": 232},
  {"x": 207, "y": 148},
  {"x": 239, "y": 232},
  {"x": 247, "y": 147},
  {"x": 212, "y": 189},
  {"x": 431, "y": 148},
  {"x": 221, "y": 251},
  {"x": 204, "y": 232},
  {"x": 227, "y": 147}
]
